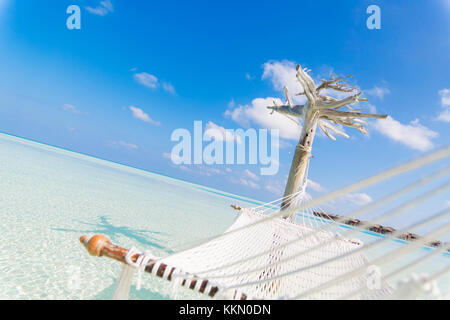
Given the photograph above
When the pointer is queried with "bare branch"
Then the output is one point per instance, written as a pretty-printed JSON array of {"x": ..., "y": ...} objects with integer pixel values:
[
  {"x": 349, "y": 123},
  {"x": 288, "y": 97},
  {"x": 337, "y": 84},
  {"x": 340, "y": 103},
  {"x": 332, "y": 128},
  {"x": 307, "y": 83},
  {"x": 345, "y": 114},
  {"x": 322, "y": 127},
  {"x": 360, "y": 121},
  {"x": 326, "y": 98}
]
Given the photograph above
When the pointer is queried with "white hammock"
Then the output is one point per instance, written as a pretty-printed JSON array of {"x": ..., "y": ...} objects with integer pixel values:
[
  {"x": 252, "y": 262},
  {"x": 268, "y": 257}
]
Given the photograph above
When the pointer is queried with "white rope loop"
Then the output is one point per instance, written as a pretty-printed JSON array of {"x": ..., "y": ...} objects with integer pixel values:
[
  {"x": 140, "y": 264},
  {"x": 128, "y": 257}
]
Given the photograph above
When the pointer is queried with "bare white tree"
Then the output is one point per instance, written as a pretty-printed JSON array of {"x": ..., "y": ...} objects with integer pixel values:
[{"x": 320, "y": 110}]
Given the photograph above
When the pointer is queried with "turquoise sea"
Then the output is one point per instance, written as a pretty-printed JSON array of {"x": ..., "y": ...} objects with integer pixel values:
[{"x": 49, "y": 197}]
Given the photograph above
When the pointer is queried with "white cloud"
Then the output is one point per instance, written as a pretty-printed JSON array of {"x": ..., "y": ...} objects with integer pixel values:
[
  {"x": 209, "y": 171},
  {"x": 70, "y": 108},
  {"x": 253, "y": 185},
  {"x": 445, "y": 97},
  {"x": 274, "y": 188},
  {"x": 359, "y": 199},
  {"x": 379, "y": 92},
  {"x": 219, "y": 133},
  {"x": 413, "y": 135},
  {"x": 251, "y": 175},
  {"x": 369, "y": 107},
  {"x": 141, "y": 115},
  {"x": 444, "y": 115},
  {"x": 168, "y": 87},
  {"x": 284, "y": 74},
  {"x": 125, "y": 144},
  {"x": 245, "y": 182},
  {"x": 258, "y": 113},
  {"x": 445, "y": 102},
  {"x": 146, "y": 79},
  {"x": 315, "y": 186},
  {"x": 231, "y": 104},
  {"x": 184, "y": 168},
  {"x": 103, "y": 9},
  {"x": 150, "y": 81},
  {"x": 196, "y": 169}
]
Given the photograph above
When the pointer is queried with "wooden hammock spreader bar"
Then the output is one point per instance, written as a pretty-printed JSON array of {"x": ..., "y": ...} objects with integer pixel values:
[{"x": 100, "y": 245}]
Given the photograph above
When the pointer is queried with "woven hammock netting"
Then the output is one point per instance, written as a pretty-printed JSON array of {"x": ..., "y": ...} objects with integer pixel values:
[{"x": 274, "y": 259}]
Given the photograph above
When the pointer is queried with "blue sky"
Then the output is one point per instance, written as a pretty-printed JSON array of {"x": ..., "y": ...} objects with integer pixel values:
[{"x": 137, "y": 70}]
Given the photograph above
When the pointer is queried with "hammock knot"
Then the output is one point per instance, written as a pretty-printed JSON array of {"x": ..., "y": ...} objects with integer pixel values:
[
  {"x": 128, "y": 257},
  {"x": 306, "y": 149},
  {"x": 140, "y": 264}
]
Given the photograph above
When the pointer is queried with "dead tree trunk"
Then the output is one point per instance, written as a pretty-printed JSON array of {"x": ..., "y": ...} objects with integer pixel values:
[{"x": 297, "y": 174}]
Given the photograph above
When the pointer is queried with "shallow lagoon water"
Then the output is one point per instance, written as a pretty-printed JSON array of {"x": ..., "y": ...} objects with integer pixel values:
[{"x": 49, "y": 197}]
